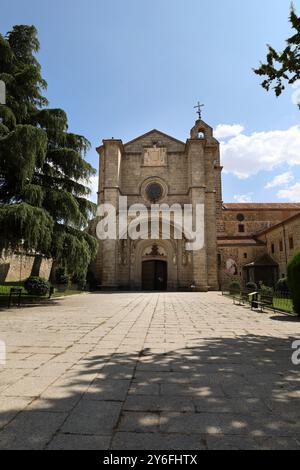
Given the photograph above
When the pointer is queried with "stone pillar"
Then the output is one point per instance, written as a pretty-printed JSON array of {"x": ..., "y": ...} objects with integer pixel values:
[
  {"x": 111, "y": 155},
  {"x": 197, "y": 188},
  {"x": 205, "y": 188},
  {"x": 211, "y": 241},
  {"x": 212, "y": 212}
]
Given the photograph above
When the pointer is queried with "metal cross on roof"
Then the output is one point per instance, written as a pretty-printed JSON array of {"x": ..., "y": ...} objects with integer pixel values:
[{"x": 198, "y": 107}]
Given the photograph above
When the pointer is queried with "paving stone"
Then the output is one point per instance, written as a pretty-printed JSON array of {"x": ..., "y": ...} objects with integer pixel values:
[
  {"x": 28, "y": 387},
  {"x": 230, "y": 405},
  {"x": 245, "y": 443},
  {"x": 30, "y": 430},
  {"x": 79, "y": 442},
  {"x": 93, "y": 417},
  {"x": 156, "y": 441},
  {"x": 109, "y": 390},
  {"x": 139, "y": 422},
  {"x": 190, "y": 423},
  {"x": 158, "y": 403},
  {"x": 150, "y": 371},
  {"x": 192, "y": 390},
  {"x": 144, "y": 389},
  {"x": 10, "y": 407}
]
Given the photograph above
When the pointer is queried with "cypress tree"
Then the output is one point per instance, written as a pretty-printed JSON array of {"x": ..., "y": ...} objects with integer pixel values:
[{"x": 44, "y": 176}]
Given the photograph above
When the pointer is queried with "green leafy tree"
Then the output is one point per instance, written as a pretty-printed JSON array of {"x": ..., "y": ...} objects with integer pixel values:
[
  {"x": 294, "y": 281},
  {"x": 44, "y": 176},
  {"x": 283, "y": 67}
]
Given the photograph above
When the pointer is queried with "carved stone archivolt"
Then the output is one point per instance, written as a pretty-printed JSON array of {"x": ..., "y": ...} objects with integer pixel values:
[{"x": 155, "y": 251}]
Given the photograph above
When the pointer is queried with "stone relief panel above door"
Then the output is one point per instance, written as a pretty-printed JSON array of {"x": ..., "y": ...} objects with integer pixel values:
[{"x": 155, "y": 156}]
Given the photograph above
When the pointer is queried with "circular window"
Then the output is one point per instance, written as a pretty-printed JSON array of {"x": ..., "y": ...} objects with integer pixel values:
[
  {"x": 240, "y": 217},
  {"x": 154, "y": 192}
]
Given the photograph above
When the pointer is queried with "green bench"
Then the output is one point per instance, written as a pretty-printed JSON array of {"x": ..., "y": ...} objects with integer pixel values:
[
  {"x": 263, "y": 301},
  {"x": 15, "y": 293},
  {"x": 241, "y": 297}
]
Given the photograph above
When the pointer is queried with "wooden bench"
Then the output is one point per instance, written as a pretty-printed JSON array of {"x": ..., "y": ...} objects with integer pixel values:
[
  {"x": 51, "y": 292},
  {"x": 15, "y": 292},
  {"x": 263, "y": 301},
  {"x": 241, "y": 298}
]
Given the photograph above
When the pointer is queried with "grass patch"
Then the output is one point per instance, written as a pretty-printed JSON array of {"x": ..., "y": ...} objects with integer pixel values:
[
  {"x": 286, "y": 305},
  {"x": 5, "y": 289},
  {"x": 66, "y": 293}
]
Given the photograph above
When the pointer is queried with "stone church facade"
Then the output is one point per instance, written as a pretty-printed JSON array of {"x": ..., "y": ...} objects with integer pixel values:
[
  {"x": 180, "y": 173},
  {"x": 158, "y": 168},
  {"x": 243, "y": 242}
]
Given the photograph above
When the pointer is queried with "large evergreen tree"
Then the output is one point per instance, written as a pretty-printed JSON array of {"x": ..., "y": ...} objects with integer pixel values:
[
  {"x": 283, "y": 67},
  {"x": 44, "y": 204}
]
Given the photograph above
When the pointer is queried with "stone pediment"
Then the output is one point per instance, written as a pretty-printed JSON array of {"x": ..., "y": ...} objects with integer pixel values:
[{"x": 154, "y": 139}]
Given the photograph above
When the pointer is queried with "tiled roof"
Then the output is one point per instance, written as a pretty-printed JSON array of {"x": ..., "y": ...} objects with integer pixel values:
[
  {"x": 280, "y": 224},
  {"x": 264, "y": 260},
  {"x": 230, "y": 241},
  {"x": 261, "y": 206}
]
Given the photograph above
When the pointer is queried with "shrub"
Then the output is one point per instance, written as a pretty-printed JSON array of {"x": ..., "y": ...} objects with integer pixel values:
[
  {"x": 294, "y": 281},
  {"x": 61, "y": 277},
  {"x": 266, "y": 290},
  {"x": 80, "y": 281},
  {"x": 251, "y": 285},
  {"x": 92, "y": 281},
  {"x": 37, "y": 286},
  {"x": 282, "y": 285},
  {"x": 234, "y": 287}
]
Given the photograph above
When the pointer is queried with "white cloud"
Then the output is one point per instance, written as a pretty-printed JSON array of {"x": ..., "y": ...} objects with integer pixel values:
[
  {"x": 243, "y": 197},
  {"x": 94, "y": 188},
  {"x": 292, "y": 194},
  {"x": 280, "y": 180},
  {"x": 223, "y": 131},
  {"x": 246, "y": 155}
]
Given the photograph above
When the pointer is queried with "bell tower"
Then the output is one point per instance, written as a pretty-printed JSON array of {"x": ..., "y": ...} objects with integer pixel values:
[{"x": 204, "y": 181}]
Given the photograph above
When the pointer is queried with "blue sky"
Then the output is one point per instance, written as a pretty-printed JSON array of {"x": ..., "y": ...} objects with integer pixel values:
[{"x": 122, "y": 67}]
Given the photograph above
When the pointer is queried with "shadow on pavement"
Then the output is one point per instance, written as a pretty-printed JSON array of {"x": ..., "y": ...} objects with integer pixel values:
[{"x": 225, "y": 393}]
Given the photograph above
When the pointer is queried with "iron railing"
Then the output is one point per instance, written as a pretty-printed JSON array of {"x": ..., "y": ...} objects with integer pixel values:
[{"x": 282, "y": 301}]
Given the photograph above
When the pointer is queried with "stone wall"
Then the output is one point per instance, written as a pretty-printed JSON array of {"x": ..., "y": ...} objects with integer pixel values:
[
  {"x": 283, "y": 242},
  {"x": 238, "y": 248},
  {"x": 257, "y": 217},
  {"x": 16, "y": 268},
  {"x": 233, "y": 258}
]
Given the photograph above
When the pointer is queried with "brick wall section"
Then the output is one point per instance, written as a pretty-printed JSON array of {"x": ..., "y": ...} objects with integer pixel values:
[
  {"x": 264, "y": 227},
  {"x": 256, "y": 218},
  {"x": 283, "y": 242}
]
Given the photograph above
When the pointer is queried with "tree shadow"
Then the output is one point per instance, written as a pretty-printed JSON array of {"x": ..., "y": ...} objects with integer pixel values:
[
  {"x": 224, "y": 393},
  {"x": 25, "y": 304},
  {"x": 286, "y": 318}
]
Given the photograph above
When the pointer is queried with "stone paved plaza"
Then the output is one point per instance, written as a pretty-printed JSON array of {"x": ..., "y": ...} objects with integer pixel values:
[{"x": 135, "y": 371}]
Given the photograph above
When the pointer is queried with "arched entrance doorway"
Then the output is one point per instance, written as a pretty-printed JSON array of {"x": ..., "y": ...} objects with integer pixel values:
[{"x": 155, "y": 275}]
